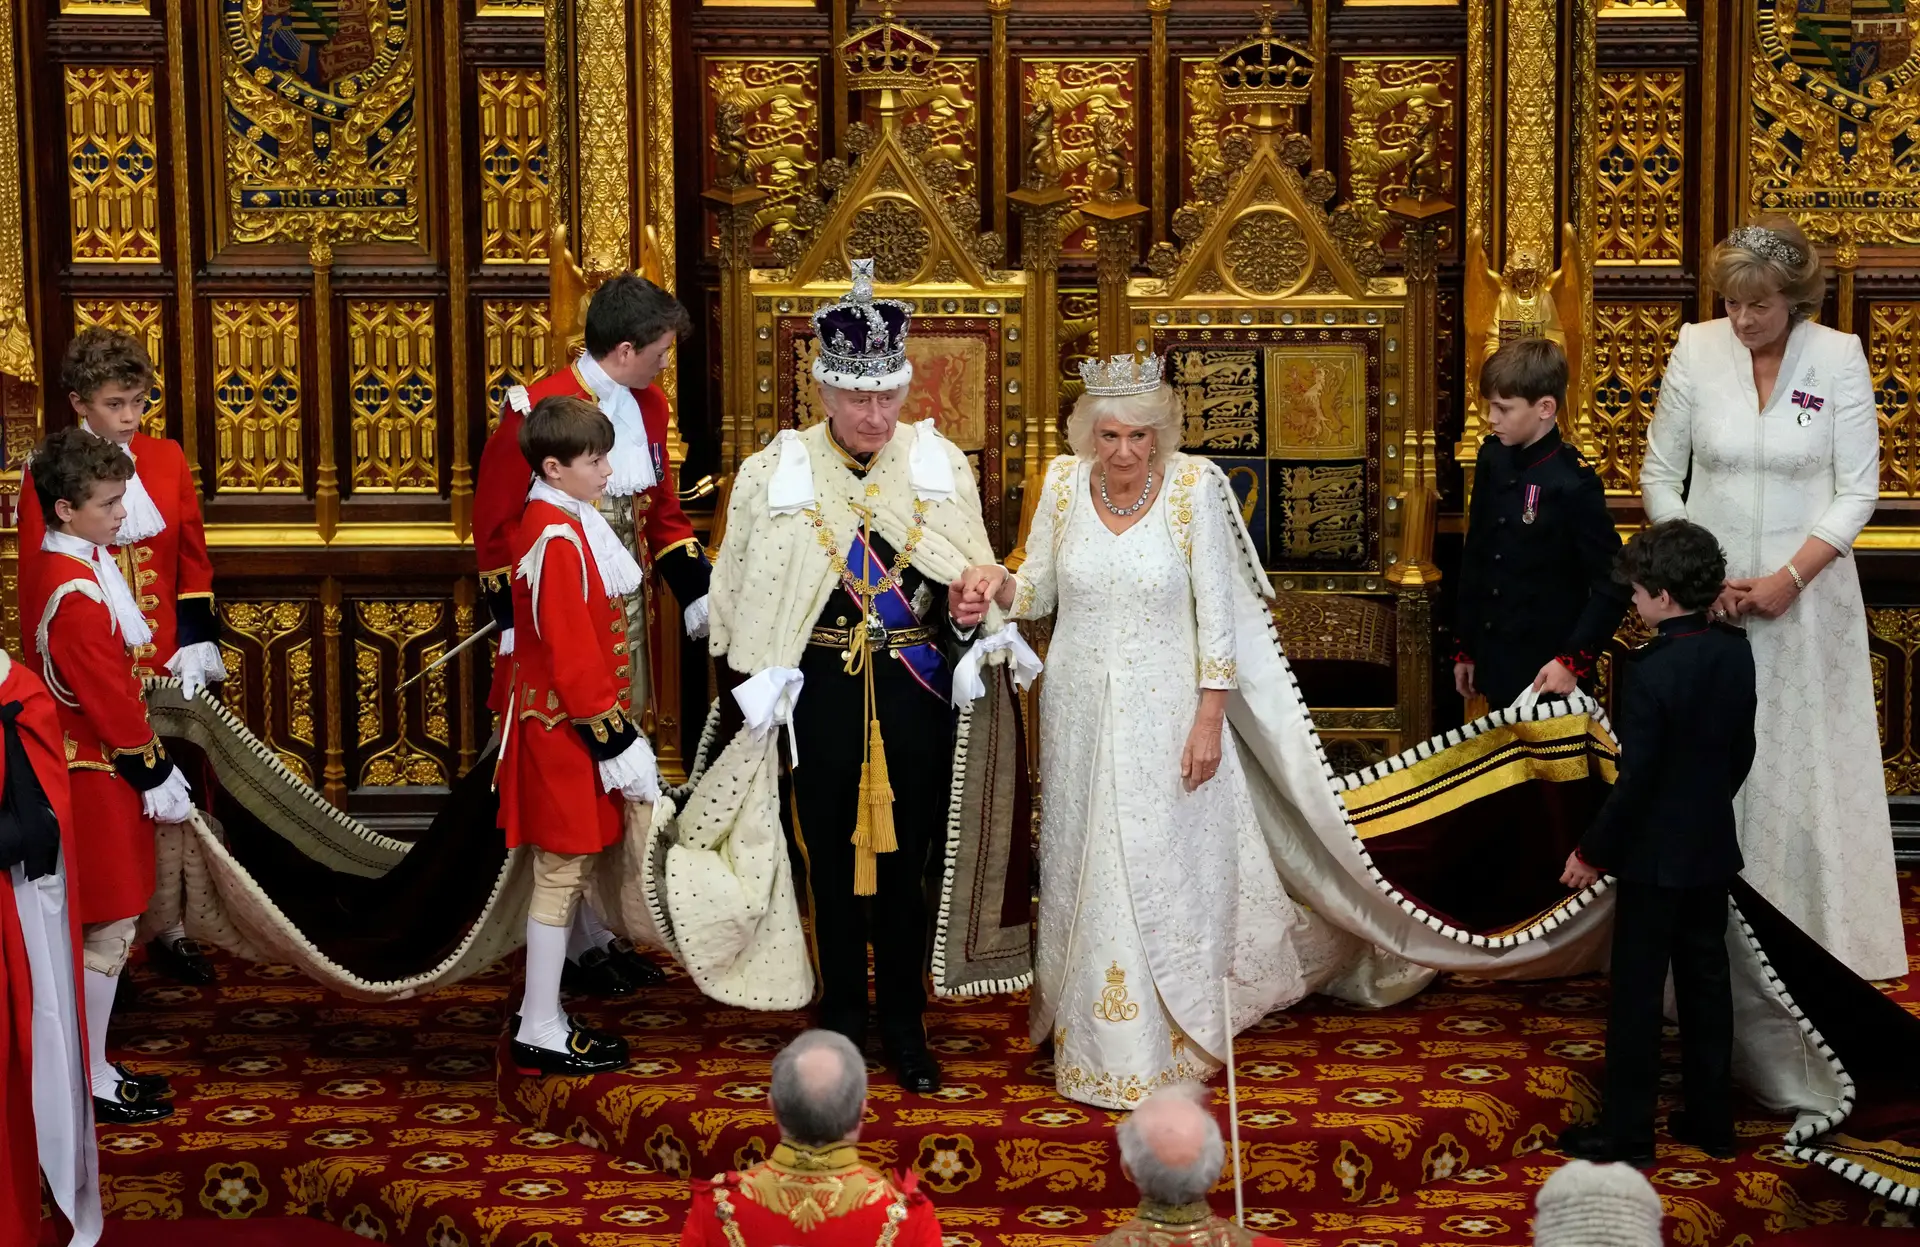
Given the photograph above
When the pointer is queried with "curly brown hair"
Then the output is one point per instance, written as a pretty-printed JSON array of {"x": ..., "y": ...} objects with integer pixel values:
[
  {"x": 1677, "y": 557},
  {"x": 70, "y": 463},
  {"x": 100, "y": 356}
]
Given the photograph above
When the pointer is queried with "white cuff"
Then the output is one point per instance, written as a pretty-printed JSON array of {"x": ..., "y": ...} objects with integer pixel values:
[
  {"x": 767, "y": 700},
  {"x": 171, "y": 802},
  {"x": 506, "y": 642},
  {"x": 202, "y": 658},
  {"x": 633, "y": 774},
  {"x": 967, "y": 682},
  {"x": 695, "y": 617}
]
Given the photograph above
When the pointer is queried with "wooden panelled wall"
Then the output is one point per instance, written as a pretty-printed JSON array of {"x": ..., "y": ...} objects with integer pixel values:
[{"x": 330, "y": 225}]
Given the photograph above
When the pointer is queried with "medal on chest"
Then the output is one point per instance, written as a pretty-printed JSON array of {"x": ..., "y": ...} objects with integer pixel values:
[
  {"x": 1808, "y": 403},
  {"x": 1530, "y": 505}
]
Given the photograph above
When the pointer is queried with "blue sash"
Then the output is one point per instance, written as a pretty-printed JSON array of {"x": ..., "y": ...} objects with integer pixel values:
[{"x": 925, "y": 661}]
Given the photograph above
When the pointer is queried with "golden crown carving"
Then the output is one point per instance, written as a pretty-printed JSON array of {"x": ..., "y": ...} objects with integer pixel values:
[
  {"x": 1265, "y": 69},
  {"x": 888, "y": 55}
]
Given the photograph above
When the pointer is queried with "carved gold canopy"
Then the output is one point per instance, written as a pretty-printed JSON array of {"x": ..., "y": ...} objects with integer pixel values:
[
  {"x": 1285, "y": 343},
  {"x": 897, "y": 202}
]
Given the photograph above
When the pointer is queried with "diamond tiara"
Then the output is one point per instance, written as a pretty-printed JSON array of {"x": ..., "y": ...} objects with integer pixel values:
[
  {"x": 1120, "y": 374},
  {"x": 1765, "y": 243}
]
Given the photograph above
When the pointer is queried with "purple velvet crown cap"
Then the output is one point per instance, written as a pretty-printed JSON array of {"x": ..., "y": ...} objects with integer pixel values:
[{"x": 862, "y": 340}]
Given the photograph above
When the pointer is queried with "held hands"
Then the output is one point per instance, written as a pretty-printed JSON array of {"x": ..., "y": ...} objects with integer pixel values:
[
  {"x": 1765, "y": 596},
  {"x": 1578, "y": 875},
  {"x": 1555, "y": 678},
  {"x": 1201, "y": 758},
  {"x": 1463, "y": 679},
  {"x": 968, "y": 597}
]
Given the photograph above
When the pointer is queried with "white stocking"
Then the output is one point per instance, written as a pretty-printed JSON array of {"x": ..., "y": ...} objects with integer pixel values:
[
  {"x": 587, "y": 932},
  {"x": 542, "y": 1021},
  {"x": 178, "y": 931},
  {"x": 100, "y": 989}
]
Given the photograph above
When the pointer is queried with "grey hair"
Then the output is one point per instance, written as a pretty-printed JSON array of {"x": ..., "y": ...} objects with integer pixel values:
[
  {"x": 810, "y": 1112},
  {"x": 1173, "y": 1184},
  {"x": 1156, "y": 409}
]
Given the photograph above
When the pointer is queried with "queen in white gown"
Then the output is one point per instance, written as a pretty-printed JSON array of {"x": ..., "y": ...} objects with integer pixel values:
[{"x": 1154, "y": 885}]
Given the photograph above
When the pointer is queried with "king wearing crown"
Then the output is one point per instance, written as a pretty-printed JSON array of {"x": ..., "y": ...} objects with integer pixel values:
[{"x": 830, "y": 615}]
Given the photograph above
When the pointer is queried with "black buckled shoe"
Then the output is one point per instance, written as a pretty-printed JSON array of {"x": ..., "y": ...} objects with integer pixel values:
[
  {"x": 604, "y": 1043},
  {"x": 635, "y": 963},
  {"x": 182, "y": 960},
  {"x": 150, "y": 1086},
  {"x": 1718, "y": 1146},
  {"x": 915, "y": 1067},
  {"x": 130, "y": 1107},
  {"x": 597, "y": 974},
  {"x": 1595, "y": 1143},
  {"x": 588, "y": 1051}
]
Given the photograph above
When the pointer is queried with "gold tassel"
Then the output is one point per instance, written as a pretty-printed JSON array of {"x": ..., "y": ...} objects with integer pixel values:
[{"x": 876, "y": 792}]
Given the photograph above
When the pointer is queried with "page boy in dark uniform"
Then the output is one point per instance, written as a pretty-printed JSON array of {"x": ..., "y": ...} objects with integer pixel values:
[
  {"x": 1537, "y": 599},
  {"x": 1666, "y": 834}
]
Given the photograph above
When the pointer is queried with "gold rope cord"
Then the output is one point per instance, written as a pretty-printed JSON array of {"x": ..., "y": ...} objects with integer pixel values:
[{"x": 873, "y": 829}]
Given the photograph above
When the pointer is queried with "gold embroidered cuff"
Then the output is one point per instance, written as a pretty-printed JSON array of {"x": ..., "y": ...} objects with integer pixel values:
[
  {"x": 606, "y": 725},
  {"x": 498, "y": 580},
  {"x": 1220, "y": 672},
  {"x": 686, "y": 543},
  {"x": 149, "y": 754}
]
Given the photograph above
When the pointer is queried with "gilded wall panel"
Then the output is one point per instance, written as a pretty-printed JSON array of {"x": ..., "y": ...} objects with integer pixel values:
[
  {"x": 1893, "y": 635},
  {"x": 516, "y": 333},
  {"x": 320, "y": 111},
  {"x": 1893, "y": 359},
  {"x": 269, "y": 650},
  {"x": 405, "y": 738},
  {"x": 1835, "y": 102},
  {"x": 1078, "y": 339},
  {"x": 778, "y": 103},
  {"x": 513, "y": 165},
  {"x": 950, "y": 110},
  {"x": 394, "y": 398},
  {"x": 1093, "y": 104},
  {"x": 1643, "y": 8},
  {"x": 1400, "y": 115},
  {"x": 1640, "y": 153},
  {"x": 113, "y": 179},
  {"x": 1631, "y": 343},
  {"x": 1210, "y": 127},
  {"x": 143, "y": 320},
  {"x": 257, "y": 396}
]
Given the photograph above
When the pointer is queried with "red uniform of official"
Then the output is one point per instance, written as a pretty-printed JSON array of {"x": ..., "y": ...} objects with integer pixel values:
[
  {"x": 501, "y": 494},
  {"x": 66, "y": 1141},
  {"x": 107, "y": 738},
  {"x": 570, "y": 694},
  {"x": 810, "y": 1197},
  {"x": 169, "y": 573}
]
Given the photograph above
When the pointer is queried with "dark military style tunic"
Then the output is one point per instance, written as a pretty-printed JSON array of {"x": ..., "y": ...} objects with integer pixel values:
[{"x": 1536, "y": 578}]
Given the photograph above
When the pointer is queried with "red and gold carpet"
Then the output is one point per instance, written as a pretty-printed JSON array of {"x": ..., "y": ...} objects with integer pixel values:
[{"x": 1424, "y": 1124}]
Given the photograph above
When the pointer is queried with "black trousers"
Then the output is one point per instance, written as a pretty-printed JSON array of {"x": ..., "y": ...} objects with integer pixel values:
[
  {"x": 918, "y": 731},
  {"x": 1654, "y": 927}
]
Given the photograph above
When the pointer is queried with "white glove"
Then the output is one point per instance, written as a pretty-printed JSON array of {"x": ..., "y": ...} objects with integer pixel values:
[
  {"x": 506, "y": 642},
  {"x": 633, "y": 774},
  {"x": 171, "y": 802},
  {"x": 197, "y": 666},
  {"x": 696, "y": 618}
]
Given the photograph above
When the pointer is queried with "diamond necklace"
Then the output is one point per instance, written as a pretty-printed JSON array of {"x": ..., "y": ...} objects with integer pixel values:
[{"x": 1144, "y": 495}]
